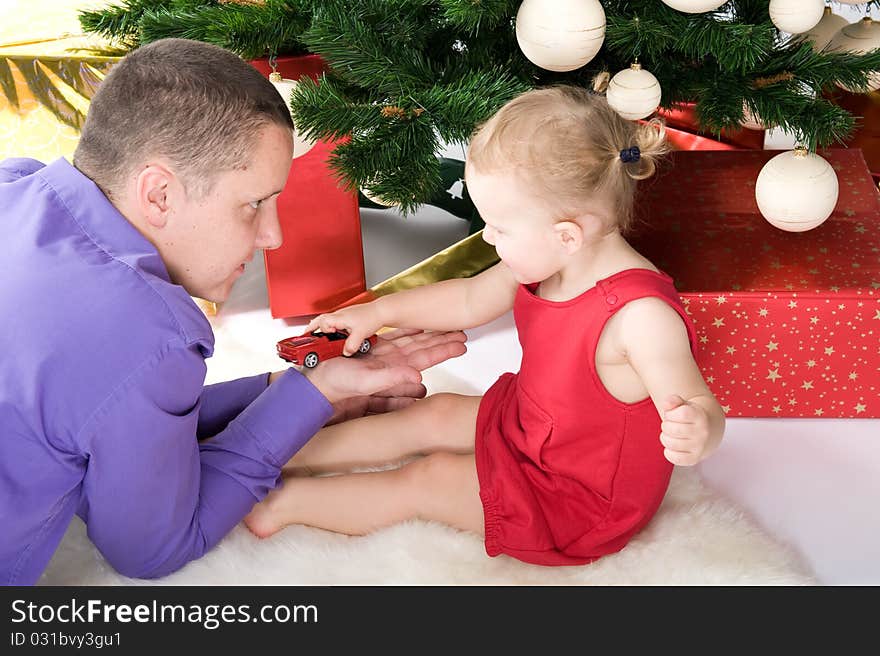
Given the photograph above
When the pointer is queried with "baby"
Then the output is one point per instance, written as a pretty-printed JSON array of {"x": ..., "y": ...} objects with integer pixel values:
[{"x": 566, "y": 460}]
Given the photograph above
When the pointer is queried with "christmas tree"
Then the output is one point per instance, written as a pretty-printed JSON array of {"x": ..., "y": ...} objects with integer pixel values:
[{"x": 405, "y": 76}]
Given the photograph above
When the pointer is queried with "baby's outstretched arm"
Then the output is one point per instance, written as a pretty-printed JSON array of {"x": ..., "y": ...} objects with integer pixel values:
[
  {"x": 447, "y": 305},
  {"x": 655, "y": 341}
]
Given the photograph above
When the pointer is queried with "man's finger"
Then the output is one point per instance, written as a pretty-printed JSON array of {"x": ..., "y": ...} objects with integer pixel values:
[
  {"x": 403, "y": 346},
  {"x": 426, "y": 358},
  {"x": 412, "y": 390},
  {"x": 388, "y": 377},
  {"x": 403, "y": 337},
  {"x": 379, "y": 404}
]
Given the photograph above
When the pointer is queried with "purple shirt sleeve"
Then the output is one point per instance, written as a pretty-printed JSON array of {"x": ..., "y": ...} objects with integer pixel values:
[
  {"x": 156, "y": 498},
  {"x": 222, "y": 402}
]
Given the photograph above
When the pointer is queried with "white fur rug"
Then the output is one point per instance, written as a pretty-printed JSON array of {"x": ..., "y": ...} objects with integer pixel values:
[{"x": 696, "y": 538}]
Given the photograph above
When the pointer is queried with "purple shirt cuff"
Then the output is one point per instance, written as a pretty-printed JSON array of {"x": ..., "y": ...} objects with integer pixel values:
[
  {"x": 288, "y": 397},
  {"x": 223, "y": 402}
]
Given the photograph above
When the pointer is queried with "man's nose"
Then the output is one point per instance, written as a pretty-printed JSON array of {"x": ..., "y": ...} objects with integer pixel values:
[{"x": 269, "y": 235}]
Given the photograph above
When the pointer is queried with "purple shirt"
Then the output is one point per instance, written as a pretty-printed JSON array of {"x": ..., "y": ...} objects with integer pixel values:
[{"x": 102, "y": 395}]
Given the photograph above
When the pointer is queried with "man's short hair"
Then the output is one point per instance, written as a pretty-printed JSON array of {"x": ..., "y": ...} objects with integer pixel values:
[{"x": 197, "y": 105}]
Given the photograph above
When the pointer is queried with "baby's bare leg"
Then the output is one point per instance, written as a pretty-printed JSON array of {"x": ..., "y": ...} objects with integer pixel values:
[
  {"x": 440, "y": 422},
  {"x": 442, "y": 487}
]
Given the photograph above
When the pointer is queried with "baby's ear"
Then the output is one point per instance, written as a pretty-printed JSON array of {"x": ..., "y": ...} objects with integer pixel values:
[{"x": 570, "y": 235}]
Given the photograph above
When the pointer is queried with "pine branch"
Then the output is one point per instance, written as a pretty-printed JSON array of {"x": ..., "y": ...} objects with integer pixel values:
[
  {"x": 473, "y": 16},
  {"x": 379, "y": 50},
  {"x": 457, "y": 107},
  {"x": 251, "y": 31},
  {"x": 397, "y": 161},
  {"x": 325, "y": 111},
  {"x": 121, "y": 23}
]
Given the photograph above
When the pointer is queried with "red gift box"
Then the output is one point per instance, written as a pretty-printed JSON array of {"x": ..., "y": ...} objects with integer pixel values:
[
  {"x": 321, "y": 263},
  {"x": 865, "y": 107},
  {"x": 788, "y": 323},
  {"x": 683, "y": 132}
]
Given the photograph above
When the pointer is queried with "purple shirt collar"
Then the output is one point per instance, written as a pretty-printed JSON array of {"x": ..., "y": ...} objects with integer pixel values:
[{"x": 100, "y": 219}]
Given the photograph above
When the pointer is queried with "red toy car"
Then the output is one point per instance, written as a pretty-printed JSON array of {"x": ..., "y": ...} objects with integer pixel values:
[{"x": 309, "y": 349}]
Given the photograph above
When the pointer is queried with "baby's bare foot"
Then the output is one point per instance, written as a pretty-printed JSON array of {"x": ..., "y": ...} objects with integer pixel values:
[{"x": 262, "y": 521}]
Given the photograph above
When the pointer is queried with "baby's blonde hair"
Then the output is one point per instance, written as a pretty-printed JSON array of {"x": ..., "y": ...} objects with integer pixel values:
[{"x": 568, "y": 141}]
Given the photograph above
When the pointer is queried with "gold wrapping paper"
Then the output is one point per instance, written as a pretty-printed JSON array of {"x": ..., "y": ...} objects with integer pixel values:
[
  {"x": 463, "y": 259},
  {"x": 48, "y": 72}
]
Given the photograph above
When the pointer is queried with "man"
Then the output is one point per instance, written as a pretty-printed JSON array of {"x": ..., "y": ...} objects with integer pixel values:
[{"x": 103, "y": 408}]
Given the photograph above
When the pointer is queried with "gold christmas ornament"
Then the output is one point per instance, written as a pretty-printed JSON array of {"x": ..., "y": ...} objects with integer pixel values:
[
  {"x": 377, "y": 199},
  {"x": 858, "y": 38},
  {"x": 751, "y": 121},
  {"x": 285, "y": 87},
  {"x": 796, "y": 190},
  {"x": 694, "y": 6},
  {"x": 634, "y": 93},
  {"x": 827, "y": 27},
  {"x": 796, "y": 16},
  {"x": 560, "y": 35}
]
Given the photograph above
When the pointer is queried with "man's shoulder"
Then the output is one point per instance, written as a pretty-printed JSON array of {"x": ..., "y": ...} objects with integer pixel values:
[
  {"x": 147, "y": 312},
  {"x": 15, "y": 168}
]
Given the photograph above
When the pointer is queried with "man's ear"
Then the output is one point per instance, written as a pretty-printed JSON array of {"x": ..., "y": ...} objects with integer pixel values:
[
  {"x": 570, "y": 235},
  {"x": 153, "y": 189}
]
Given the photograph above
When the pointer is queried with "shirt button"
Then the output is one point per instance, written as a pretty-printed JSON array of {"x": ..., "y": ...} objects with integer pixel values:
[{"x": 611, "y": 299}]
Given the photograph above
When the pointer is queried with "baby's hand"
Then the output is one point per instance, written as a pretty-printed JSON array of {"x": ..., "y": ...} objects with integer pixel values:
[
  {"x": 684, "y": 431},
  {"x": 359, "y": 321}
]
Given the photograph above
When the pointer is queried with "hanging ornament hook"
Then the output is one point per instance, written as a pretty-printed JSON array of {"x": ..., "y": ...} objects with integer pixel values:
[{"x": 274, "y": 76}]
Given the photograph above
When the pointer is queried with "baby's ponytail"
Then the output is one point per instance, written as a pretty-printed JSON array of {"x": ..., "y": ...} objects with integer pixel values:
[{"x": 650, "y": 146}]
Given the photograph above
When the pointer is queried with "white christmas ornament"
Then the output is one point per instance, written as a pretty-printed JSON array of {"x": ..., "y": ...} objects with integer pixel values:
[
  {"x": 796, "y": 190},
  {"x": 796, "y": 16},
  {"x": 827, "y": 27},
  {"x": 560, "y": 35},
  {"x": 285, "y": 87},
  {"x": 694, "y": 6},
  {"x": 858, "y": 38},
  {"x": 634, "y": 93}
]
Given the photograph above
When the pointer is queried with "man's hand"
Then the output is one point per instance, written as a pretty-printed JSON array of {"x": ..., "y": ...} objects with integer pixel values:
[
  {"x": 415, "y": 348},
  {"x": 686, "y": 431},
  {"x": 411, "y": 349}
]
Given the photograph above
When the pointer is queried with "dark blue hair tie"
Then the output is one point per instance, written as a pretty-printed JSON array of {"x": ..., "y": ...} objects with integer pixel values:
[{"x": 628, "y": 155}]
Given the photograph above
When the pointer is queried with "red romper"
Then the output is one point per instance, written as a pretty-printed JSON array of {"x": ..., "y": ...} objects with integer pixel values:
[{"x": 567, "y": 472}]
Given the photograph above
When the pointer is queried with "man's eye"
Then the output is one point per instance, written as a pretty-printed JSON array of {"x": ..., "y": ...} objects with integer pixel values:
[{"x": 255, "y": 204}]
